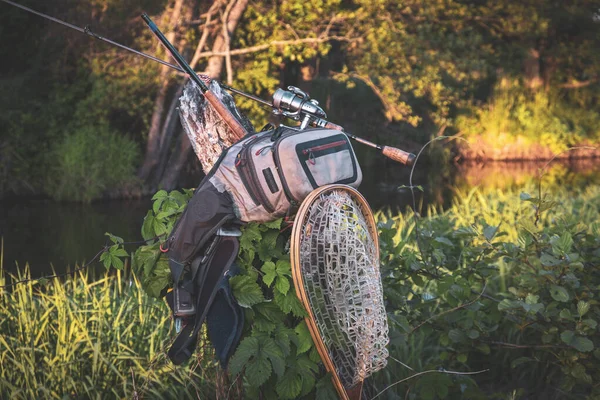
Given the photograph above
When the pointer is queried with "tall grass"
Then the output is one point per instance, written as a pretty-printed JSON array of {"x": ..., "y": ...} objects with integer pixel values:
[{"x": 81, "y": 339}]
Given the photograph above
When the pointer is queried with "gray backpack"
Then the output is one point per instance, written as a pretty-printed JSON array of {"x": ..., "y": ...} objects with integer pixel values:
[{"x": 270, "y": 172}]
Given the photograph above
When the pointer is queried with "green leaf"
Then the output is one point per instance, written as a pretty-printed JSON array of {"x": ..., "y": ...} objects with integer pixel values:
[
  {"x": 525, "y": 196},
  {"x": 159, "y": 195},
  {"x": 266, "y": 247},
  {"x": 549, "y": 261},
  {"x": 250, "y": 234},
  {"x": 489, "y": 232},
  {"x": 282, "y": 284},
  {"x": 116, "y": 262},
  {"x": 105, "y": 258},
  {"x": 591, "y": 323},
  {"x": 559, "y": 293},
  {"x": 531, "y": 299},
  {"x": 270, "y": 311},
  {"x": 567, "y": 336},
  {"x": 563, "y": 244},
  {"x": 507, "y": 304},
  {"x": 274, "y": 353},
  {"x": 247, "y": 348},
  {"x": 289, "y": 303},
  {"x": 158, "y": 227},
  {"x": 43, "y": 281},
  {"x": 580, "y": 343},
  {"x": 521, "y": 360},
  {"x": 148, "y": 226},
  {"x": 290, "y": 385},
  {"x": 565, "y": 314},
  {"x": 305, "y": 341},
  {"x": 282, "y": 337},
  {"x": 443, "y": 240},
  {"x": 582, "y": 308},
  {"x": 258, "y": 371},
  {"x": 274, "y": 224},
  {"x": 246, "y": 291},
  {"x": 268, "y": 269},
  {"x": 284, "y": 268},
  {"x": 457, "y": 336},
  {"x": 578, "y": 372},
  {"x": 325, "y": 389},
  {"x": 113, "y": 238}
]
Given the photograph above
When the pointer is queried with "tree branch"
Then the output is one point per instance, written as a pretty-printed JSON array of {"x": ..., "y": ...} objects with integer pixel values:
[
  {"x": 575, "y": 84},
  {"x": 227, "y": 38},
  {"x": 525, "y": 346},
  {"x": 261, "y": 47}
]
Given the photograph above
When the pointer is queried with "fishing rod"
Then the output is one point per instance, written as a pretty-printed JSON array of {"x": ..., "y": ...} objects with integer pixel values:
[
  {"x": 293, "y": 103},
  {"x": 87, "y": 31}
]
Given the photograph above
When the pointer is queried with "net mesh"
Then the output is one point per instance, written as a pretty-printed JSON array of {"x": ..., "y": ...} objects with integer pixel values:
[{"x": 340, "y": 269}]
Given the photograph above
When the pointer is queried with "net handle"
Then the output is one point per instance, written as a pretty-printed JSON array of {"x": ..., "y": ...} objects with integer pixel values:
[{"x": 353, "y": 393}]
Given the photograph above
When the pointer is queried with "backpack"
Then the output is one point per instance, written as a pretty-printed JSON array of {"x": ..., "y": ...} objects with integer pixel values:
[{"x": 269, "y": 173}]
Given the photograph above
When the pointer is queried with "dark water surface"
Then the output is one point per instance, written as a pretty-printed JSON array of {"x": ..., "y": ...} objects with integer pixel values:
[{"x": 47, "y": 234}]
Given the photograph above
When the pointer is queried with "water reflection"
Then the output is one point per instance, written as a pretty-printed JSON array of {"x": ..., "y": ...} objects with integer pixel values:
[{"x": 48, "y": 234}]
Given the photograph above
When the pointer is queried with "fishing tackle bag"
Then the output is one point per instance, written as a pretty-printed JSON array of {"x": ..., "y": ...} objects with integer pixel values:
[{"x": 270, "y": 172}]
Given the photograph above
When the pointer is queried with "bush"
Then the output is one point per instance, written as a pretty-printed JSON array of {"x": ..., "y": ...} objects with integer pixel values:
[
  {"x": 89, "y": 161},
  {"x": 532, "y": 120}
]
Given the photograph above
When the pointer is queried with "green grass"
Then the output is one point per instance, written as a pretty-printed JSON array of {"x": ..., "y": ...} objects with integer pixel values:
[{"x": 81, "y": 339}]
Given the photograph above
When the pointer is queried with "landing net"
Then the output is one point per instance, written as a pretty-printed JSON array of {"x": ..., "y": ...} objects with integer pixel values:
[{"x": 339, "y": 262}]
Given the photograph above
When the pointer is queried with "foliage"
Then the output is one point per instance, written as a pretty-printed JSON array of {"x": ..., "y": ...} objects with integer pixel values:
[
  {"x": 148, "y": 261},
  {"x": 75, "y": 339},
  {"x": 90, "y": 161},
  {"x": 276, "y": 357},
  {"x": 422, "y": 66},
  {"x": 500, "y": 282},
  {"x": 516, "y": 115},
  {"x": 495, "y": 283}
]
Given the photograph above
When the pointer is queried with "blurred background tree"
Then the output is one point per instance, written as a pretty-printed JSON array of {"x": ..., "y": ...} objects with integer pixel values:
[{"x": 497, "y": 72}]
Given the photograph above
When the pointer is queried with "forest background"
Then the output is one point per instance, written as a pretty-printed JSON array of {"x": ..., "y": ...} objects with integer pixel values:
[
  {"x": 82, "y": 119},
  {"x": 501, "y": 282}
]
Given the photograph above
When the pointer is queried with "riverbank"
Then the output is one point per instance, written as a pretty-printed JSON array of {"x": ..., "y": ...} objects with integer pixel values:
[{"x": 482, "y": 148}]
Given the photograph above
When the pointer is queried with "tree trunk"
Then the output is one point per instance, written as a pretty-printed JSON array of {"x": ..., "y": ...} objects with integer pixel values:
[
  {"x": 532, "y": 69},
  {"x": 151, "y": 158},
  {"x": 214, "y": 69},
  {"x": 170, "y": 127}
]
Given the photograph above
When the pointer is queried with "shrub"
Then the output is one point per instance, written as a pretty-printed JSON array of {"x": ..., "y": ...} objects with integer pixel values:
[{"x": 89, "y": 161}]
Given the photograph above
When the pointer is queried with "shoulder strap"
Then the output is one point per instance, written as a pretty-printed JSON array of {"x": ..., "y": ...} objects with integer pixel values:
[{"x": 207, "y": 284}]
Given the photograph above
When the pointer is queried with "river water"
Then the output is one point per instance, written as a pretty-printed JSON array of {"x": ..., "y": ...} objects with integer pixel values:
[{"x": 49, "y": 235}]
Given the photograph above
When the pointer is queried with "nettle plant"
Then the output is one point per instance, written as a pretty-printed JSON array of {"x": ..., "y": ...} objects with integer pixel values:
[{"x": 276, "y": 357}]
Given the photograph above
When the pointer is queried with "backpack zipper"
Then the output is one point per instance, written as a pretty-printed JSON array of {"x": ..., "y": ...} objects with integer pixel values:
[{"x": 324, "y": 146}]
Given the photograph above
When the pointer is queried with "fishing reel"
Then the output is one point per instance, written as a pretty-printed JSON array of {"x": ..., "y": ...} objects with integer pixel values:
[{"x": 297, "y": 105}]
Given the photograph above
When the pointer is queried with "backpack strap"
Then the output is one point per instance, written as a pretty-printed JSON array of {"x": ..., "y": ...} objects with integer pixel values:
[{"x": 207, "y": 281}]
